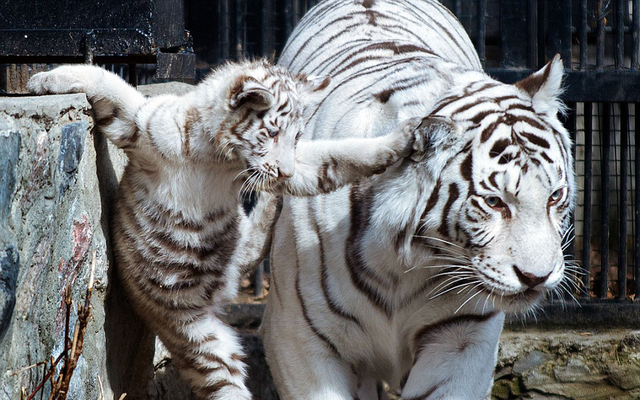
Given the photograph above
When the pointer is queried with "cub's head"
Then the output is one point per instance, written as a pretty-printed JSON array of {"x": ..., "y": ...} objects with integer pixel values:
[
  {"x": 264, "y": 120},
  {"x": 504, "y": 187}
]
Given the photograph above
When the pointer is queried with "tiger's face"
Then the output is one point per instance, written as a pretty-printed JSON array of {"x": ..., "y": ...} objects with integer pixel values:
[
  {"x": 507, "y": 194},
  {"x": 266, "y": 122},
  {"x": 513, "y": 220}
]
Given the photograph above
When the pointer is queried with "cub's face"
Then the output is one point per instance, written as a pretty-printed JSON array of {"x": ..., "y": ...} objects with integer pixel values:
[{"x": 268, "y": 111}]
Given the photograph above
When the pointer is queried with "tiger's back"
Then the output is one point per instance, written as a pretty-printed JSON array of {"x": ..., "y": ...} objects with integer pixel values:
[{"x": 405, "y": 277}]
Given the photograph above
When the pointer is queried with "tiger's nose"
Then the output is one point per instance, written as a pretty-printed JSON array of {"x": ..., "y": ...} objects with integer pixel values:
[{"x": 529, "y": 279}]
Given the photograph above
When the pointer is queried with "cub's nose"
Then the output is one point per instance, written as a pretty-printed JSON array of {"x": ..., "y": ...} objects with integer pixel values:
[{"x": 529, "y": 279}]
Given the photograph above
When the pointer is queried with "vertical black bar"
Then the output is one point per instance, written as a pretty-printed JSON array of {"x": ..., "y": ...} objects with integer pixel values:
[
  {"x": 482, "y": 30},
  {"x": 587, "y": 212},
  {"x": 513, "y": 17},
  {"x": 533, "y": 34},
  {"x": 620, "y": 4},
  {"x": 635, "y": 34},
  {"x": 624, "y": 147},
  {"x": 569, "y": 122},
  {"x": 542, "y": 31},
  {"x": 636, "y": 241},
  {"x": 223, "y": 30},
  {"x": 571, "y": 127},
  {"x": 288, "y": 17},
  {"x": 133, "y": 74},
  {"x": 559, "y": 32},
  {"x": 457, "y": 8},
  {"x": 605, "y": 134},
  {"x": 241, "y": 36},
  {"x": 600, "y": 38},
  {"x": 584, "y": 29},
  {"x": 268, "y": 30}
]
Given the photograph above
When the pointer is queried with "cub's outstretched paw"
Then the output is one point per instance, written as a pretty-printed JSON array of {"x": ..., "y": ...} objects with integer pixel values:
[
  {"x": 66, "y": 79},
  {"x": 403, "y": 137}
]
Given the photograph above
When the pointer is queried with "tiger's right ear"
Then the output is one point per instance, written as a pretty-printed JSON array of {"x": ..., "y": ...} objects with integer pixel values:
[
  {"x": 248, "y": 92},
  {"x": 437, "y": 139},
  {"x": 434, "y": 134}
]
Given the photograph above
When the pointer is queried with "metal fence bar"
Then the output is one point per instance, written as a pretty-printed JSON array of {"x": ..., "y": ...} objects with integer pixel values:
[
  {"x": 635, "y": 35},
  {"x": 605, "y": 134},
  {"x": 588, "y": 172},
  {"x": 622, "y": 254},
  {"x": 240, "y": 30},
  {"x": 533, "y": 33},
  {"x": 570, "y": 248},
  {"x": 482, "y": 30},
  {"x": 457, "y": 8},
  {"x": 570, "y": 124},
  {"x": 584, "y": 28},
  {"x": 267, "y": 37},
  {"x": 620, "y": 33},
  {"x": 223, "y": 30},
  {"x": 559, "y": 31},
  {"x": 600, "y": 37},
  {"x": 636, "y": 244}
]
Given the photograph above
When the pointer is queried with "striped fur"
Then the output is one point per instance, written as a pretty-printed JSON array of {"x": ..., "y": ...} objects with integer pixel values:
[
  {"x": 406, "y": 277},
  {"x": 182, "y": 239}
]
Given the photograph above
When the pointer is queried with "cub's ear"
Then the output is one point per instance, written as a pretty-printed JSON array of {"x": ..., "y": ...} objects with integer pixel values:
[
  {"x": 250, "y": 93},
  {"x": 545, "y": 87}
]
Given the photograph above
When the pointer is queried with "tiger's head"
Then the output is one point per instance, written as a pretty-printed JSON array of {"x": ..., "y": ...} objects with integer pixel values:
[
  {"x": 264, "y": 106},
  {"x": 503, "y": 171}
]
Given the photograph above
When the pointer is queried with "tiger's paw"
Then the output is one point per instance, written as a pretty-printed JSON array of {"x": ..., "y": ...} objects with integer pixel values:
[{"x": 66, "y": 79}]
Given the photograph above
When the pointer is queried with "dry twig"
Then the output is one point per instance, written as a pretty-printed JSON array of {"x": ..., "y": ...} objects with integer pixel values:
[{"x": 60, "y": 384}]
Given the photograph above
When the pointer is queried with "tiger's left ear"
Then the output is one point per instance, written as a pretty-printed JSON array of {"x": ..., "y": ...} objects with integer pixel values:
[{"x": 545, "y": 87}]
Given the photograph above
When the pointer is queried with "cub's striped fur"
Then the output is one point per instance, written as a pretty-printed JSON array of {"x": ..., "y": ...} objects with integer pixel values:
[
  {"x": 405, "y": 277},
  {"x": 182, "y": 239}
]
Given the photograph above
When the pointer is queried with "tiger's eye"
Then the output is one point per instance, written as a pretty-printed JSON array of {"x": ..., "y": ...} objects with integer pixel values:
[
  {"x": 492, "y": 201},
  {"x": 556, "y": 196},
  {"x": 273, "y": 132}
]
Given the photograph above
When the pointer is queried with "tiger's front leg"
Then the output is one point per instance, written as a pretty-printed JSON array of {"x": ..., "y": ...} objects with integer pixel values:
[{"x": 455, "y": 358}]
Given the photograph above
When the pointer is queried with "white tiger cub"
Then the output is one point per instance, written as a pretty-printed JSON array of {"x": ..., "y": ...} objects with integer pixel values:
[
  {"x": 181, "y": 238},
  {"x": 406, "y": 277}
]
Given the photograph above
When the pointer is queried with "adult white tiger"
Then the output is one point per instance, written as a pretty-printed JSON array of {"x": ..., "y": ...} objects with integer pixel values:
[{"x": 405, "y": 277}]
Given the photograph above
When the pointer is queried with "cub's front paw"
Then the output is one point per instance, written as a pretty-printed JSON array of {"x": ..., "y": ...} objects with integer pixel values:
[
  {"x": 402, "y": 139},
  {"x": 60, "y": 80}
]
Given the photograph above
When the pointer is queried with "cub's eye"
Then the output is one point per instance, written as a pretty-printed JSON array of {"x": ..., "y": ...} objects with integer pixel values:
[
  {"x": 556, "y": 196},
  {"x": 494, "y": 202},
  {"x": 273, "y": 132}
]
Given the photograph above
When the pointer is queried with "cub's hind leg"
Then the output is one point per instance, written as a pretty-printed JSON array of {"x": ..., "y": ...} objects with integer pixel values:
[{"x": 209, "y": 356}]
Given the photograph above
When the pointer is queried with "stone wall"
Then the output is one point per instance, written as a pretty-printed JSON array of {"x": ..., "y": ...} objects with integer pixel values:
[
  {"x": 57, "y": 179},
  {"x": 578, "y": 364}
]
